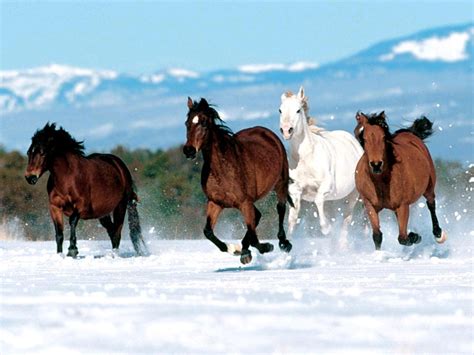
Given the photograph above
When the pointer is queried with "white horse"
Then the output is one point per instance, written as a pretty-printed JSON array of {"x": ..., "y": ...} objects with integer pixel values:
[{"x": 322, "y": 163}]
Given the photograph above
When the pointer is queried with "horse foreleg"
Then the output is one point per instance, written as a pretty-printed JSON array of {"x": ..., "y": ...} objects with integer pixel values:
[
  {"x": 57, "y": 217},
  {"x": 403, "y": 212},
  {"x": 374, "y": 221},
  {"x": 323, "y": 222},
  {"x": 72, "y": 250},
  {"x": 213, "y": 212}
]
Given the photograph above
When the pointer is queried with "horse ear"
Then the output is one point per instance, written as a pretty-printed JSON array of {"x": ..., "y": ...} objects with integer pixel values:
[
  {"x": 382, "y": 114},
  {"x": 190, "y": 103},
  {"x": 203, "y": 103},
  {"x": 361, "y": 118},
  {"x": 301, "y": 93}
]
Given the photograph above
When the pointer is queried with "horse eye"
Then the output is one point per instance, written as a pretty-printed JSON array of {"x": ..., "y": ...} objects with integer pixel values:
[
  {"x": 298, "y": 111},
  {"x": 279, "y": 110}
]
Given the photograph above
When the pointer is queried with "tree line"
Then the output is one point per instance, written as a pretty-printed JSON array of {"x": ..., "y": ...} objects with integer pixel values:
[{"x": 172, "y": 204}]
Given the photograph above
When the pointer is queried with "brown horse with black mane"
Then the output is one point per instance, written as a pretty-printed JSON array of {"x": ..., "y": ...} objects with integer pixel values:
[
  {"x": 83, "y": 187},
  {"x": 238, "y": 170},
  {"x": 394, "y": 172}
]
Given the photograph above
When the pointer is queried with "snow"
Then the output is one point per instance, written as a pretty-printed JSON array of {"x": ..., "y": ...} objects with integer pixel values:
[
  {"x": 261, "y": 68},
  {"x": 183, "y": 73},
  {"x": 187, "y": 297},
  {"x": 41, "y": 86},
  {"x": 451, "y": 48}
]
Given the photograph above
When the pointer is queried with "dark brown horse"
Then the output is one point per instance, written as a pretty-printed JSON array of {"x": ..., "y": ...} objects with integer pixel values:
[
  {"x": 238, "y": 170},
  {"x": 83, "y": 187},
  {"x": 394, "y": 172}
]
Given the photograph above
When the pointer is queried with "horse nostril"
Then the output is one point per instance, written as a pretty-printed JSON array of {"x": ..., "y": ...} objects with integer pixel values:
[
  {"x": 290, "y": 131},
  {"x": 31, "y": 179},
  {"x": 376, "y": 166},
  {"x": 281, "y": 130},
  {"x": 189, "y": 151}
]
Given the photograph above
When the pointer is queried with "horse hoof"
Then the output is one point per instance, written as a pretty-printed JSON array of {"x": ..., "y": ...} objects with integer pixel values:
[
  {"x": 72, "y": 253},
  {"x": 285, "y": 246},
  {"x": 246, "y": 257},
  {"x": 442, "y": 238},
  {"x": 325, "y": 230},
  {"x": 406, "y": 242},
  {"x": 264, "y": 248},
  {"x": 414, "y": 238}
]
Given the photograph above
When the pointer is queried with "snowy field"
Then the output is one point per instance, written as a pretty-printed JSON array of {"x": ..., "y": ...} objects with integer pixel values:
[{"x": 187, "y": 297}]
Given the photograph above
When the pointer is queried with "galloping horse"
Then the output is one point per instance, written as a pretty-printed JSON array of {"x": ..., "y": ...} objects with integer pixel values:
[
  {"x": 394, "y": 172},
  {"x": 83, "y": 187},
  {"x": 238, "y": 170},
  {"x": 322, "y": 163}
]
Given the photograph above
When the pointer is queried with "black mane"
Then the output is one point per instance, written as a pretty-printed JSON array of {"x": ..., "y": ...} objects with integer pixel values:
[
  {"x": 56, "y": 140},
  {"x": 210, "y": 112},
  {"x": 379, "y": 119}
]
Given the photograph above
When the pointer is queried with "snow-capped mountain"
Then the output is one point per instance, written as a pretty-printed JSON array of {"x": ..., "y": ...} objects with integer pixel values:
[{"x": 429, "y": 73}]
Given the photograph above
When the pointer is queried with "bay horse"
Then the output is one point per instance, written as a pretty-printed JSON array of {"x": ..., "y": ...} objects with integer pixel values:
[
  {"x": 83, "y": 187},
  {"x": 238, "y": 170},
  {"x": 394, "y": 172},
  {"x": 321, "y": 163}
]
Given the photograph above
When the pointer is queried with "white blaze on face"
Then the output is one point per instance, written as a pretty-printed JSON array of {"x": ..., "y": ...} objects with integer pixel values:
[{"x": 196, "y": 119}]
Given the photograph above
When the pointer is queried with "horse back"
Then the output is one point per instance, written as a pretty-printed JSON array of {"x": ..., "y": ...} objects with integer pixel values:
[
  {"x": 93, "y": 186},
  {"x": 256, "y": 163}
]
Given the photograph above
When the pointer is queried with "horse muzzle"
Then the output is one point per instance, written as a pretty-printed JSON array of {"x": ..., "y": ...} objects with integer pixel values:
[
  {"x": 189, "y": 151},
  {"x": 31, "y": 179},
  {"x": 287, "y": 133},
  {"x": 376, "y": 167}
]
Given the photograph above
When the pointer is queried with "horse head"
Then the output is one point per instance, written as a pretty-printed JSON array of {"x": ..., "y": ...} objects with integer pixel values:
[
  {"x": 47, "y": 143},
  {"x": 293, "y": 110},
  {"x": 373, "y": 133}
]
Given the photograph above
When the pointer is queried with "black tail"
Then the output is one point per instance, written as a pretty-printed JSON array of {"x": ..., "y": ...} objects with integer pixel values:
[
  {"x": 135, "y": 229},
  {"x": 422, "y": 127}
]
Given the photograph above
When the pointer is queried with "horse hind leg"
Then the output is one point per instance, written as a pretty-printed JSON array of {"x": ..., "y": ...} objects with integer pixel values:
[
  {"x": 72, "y": 250},
  {"x": 347, "y": 215},
  {"x": 250, "y": 239},
  {"x": 439, "y": 234},
  {"x": 284, "y": 243},
  {"x": 282, "y": 191},
  {"x": 106, "y": 222},
  {"x": 119, "y": 217}
]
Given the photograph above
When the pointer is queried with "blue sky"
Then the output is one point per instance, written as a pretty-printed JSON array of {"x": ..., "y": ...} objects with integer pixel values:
[{"x": 142, "y": 37}]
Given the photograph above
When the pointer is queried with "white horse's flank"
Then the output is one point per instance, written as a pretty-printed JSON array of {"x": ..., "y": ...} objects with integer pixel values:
[{"x": 322, "y": 163}]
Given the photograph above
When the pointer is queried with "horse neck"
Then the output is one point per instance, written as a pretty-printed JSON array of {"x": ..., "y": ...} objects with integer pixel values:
[
  {"x": 302, "y": 138},
  {"x": 213, "y": 151},
  {"x": 61, "y": 165}
]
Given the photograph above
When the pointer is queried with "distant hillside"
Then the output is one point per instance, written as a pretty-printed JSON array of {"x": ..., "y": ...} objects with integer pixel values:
[{"x": 429, "y": 73}]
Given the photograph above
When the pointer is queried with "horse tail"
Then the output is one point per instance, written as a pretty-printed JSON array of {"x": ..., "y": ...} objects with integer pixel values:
[
  {"x": 134, "y": 225},
  {"x": 290, "y": 201},
  {"x": 286, "y": 181},
  {"x": 422, "y": 127}
]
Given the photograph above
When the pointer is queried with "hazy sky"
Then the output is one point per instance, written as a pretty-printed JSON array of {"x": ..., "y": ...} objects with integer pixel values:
[{"x": 142, "y": 37}]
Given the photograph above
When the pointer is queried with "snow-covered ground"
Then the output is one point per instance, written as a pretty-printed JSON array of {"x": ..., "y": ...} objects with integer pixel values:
[{"x": 187, "y": 297}]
